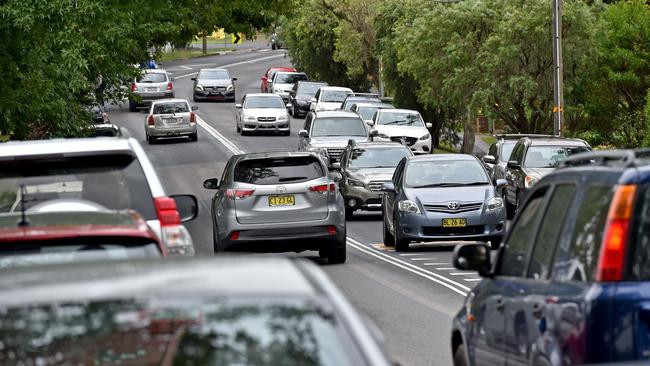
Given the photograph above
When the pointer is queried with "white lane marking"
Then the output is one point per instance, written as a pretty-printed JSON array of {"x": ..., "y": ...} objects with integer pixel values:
[
  {"x": 395, "y": 261},
  {"x": 185, "y": 67},
  {"x": 423, "y": 259},
  {"x": 221, "y": 138},
  {"x": 408, "y": 254},
  {"x": 445, "y": 268},
  {"x": 360, "y": 246},
  {"x": 472, "y": 279},
  {"x": 433, "y": 264},
  {"x": 265, "y": 50},
  {"x": 463, "y": 273},
  {"x": 235, "y": 64}
]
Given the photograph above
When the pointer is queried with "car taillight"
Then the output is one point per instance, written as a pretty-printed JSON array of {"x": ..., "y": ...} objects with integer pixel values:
[
  {"x": 331, "y": 230},
  {"x": 612, "y": 252},
  {"x": 166, "y": 211},
  {"x": 323, "y": 188},
  {"x": 239, "y": 194},
  {"x": 192, "y": 117},
  {"x": 150, "y": 121},
  {"x": 104, "y": 116},
  {"x": 234, "y": 235},
  {"x": 170, "y": 86},
  {"x": 134, "y": 88}
]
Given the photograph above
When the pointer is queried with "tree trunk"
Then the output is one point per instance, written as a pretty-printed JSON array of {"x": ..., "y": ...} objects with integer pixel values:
[
  {"x": 205, "y": 44},
  {"x": 469, "y": 134}
]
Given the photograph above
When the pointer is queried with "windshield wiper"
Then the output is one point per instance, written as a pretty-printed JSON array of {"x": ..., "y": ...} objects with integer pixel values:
[
  {"x": 451, "y": 184},
  {"x": 286, "y": 179}
]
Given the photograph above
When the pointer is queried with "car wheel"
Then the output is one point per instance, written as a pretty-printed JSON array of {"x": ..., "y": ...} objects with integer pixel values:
[
  {"x": 194, "y": 137},
  {"x": 337, "y": 253},
  {"x": 132, "y": 106},
  {"x": 244, "y": 133},
  {"x": 389, "y": 241},
  {"x": 294, "y": 112},
  {"x": 401, "y": 245},
  {"x": 495, "y": 241},
  {"x": 151, "y": 140},
  {"x": 460, "y": 358},
  {"x": 349, "y": 213},
  {"x": 285, "y": 133}
]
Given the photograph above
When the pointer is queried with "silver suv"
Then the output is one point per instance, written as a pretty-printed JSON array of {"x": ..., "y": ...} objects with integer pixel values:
[
  {"x": 113, "y": 173},
  {"x": 285, "y": 198},
  {"x": 328, "y": 132},
  {"x": 151, "y": 85}
]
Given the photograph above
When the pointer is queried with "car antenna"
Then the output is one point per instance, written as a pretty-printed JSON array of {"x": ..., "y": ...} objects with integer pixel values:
[{"x": 23, "y": 218}]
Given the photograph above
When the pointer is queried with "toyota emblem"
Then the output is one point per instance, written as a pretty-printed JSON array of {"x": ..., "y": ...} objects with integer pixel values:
[
  {"x": 453, "y": 205},
  {"x": 281, "y": 189}
]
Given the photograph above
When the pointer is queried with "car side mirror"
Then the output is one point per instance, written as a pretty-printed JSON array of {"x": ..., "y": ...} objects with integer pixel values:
[
  {"x": 263, "y": 78},
  {"x": 429, "y": 125},
  {"x": 234, "y": 79},
  {"x": 289, "y": 105},
  {"x": 388, "y": 187},
  {"x": 195, "y": 107},
  {"x": 370, "y": 123},
  {"x": 514, "y": 164},
  {"x": 336, "y": 165},
  {"x": 303, "y": 133},
  {"x": 211, "y": 183},
  {"x": 473, "y": 257},
  {"x": 313, "y": 100},
  {"x": 336, "y": 176},
  {"x": 500, "y": 183},
  {"x": 193, "y": 79},
  {"x": 489, "y": 159},
  {"x": 238, "y": 106},
  {"x": 374, "y": 133},
  {"x": 187, "y": 206}
]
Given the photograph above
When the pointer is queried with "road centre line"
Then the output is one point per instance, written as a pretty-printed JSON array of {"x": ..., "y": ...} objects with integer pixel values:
[
  {"x": 221, "y": 138},
  {"x": 234, "y": 64}
]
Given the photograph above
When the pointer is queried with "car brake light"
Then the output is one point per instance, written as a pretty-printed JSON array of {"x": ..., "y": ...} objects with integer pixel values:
[
  {"x": 166, "y": 211},
  {"x": 192, "y": 117},
  {"x": 150, "y": 121},
  {"x": 134, "y": 88},
  {"x": 234, "y": 235},
  {"x": 612, "y": 252},
  {"x": 170, "y": 86},
  {"x": 331, "y": 230},
  {"x": 323, "y": 188},
  {"x": 239, "y": 194}
]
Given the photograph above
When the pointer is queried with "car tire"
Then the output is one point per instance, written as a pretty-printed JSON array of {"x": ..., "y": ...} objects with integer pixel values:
[
  {"x": 510, "y": 210},
  {"x": 151, "y": 140},
  {"x": 294, "y": 112},
  {"x": 460, "y": 358},
  {"x": 244, "y": 133},
  {"x": 132, "y": 106},
  {"x": 401, "y": 245},
  {"x": 349, "y": 213},
  {"x": 495, "y": 241},
  {"x": 238, "y": 128},
  {"x": 389, "y": 240},
  {"x": 194, "y": 137}
]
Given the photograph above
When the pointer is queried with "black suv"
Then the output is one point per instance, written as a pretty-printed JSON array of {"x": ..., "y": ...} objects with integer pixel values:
[
  {"x": 571, "y": 282},
  {"x": 532, "y": 159},
  {"x": 300, "y": 96}
]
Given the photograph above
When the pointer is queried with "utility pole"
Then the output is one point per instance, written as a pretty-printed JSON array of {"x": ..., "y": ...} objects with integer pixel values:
[{"x": 558, "y": 80}]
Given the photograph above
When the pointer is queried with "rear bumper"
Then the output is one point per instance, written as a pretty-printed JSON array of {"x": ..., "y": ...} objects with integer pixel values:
[
  {"x": 428, "y": 227},
  {"x": 171, "y": 132},
  {"x": 147, "y": 98}
]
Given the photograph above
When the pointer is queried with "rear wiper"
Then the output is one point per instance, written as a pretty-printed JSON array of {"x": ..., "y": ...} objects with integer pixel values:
[{"x": 286, "y": 179}]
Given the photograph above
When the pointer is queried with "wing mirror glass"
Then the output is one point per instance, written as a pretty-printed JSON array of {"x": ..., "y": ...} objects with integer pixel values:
[
  {"x": 429, "y": 125},
  {"x": 238, "y": 106},
  {"x": 514, "y": 164},
  {"x": 187, "y": 206},
  {"x": 303, "y": 133},
  {"x": 388, "y": 187},
  {"x": 489, "y": 159},
  {"x": 500, "y": 183},
  {"x": 336, "y": 176},
  {"x": 211, "y": 183},
  {"x": 234, "y": 79},
  {"x": 336, "y": 165},
  {"x": 289, "y": 105},
  {"x": 193, "y": 79},
  {"x": 472, "y": 257}
]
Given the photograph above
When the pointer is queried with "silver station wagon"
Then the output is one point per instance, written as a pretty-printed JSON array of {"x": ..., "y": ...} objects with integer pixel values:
[
  {"x": 170, "y": 118},
  {"x": 281, "y": 201}
]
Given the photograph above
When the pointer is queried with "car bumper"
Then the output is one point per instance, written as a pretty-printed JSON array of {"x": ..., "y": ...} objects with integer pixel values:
[
  {"x": 276, "y": 126},
  {"x": 217, "y": 95},
  {"x": 171, "y": 132},
  {"x": 147, "y": 98},
  {"x": 428, "y": 226},
  {"x": 421, "y": 147},
  {"x": 361, "y": 198}
]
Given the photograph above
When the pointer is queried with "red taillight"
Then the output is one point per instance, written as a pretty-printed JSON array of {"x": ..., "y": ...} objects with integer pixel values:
[
  {"x": 323, "y": 188},
  {"x": 192, "y": 117},
  {"x": 612, "y": 252},
  {"x": 150, "y": 121},
  {"x": 166, "y": 211},
  {"x": 234, "y": 235},
  {"x": 134, "y": 88},
  {"x": 331, "y": 230},
  {"x": 239, "y": 194},
  {"x": 170, "y": 86}
]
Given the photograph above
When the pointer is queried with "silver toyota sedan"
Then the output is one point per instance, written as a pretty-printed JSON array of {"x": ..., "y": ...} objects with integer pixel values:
[
  {"x": 170, "y": 118},
  {"x": 280, "y": 201},
  {"x": 262, "y": 112}
]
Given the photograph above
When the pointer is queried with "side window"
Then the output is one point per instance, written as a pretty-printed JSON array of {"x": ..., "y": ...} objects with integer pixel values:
[
  {"x": 493, "y": 150},
  {"x": 397, "y": 176},
  {"x": 317, "y": 96},
  {"x": 515, "y": 152},
  {"x": 308, "y": 122},
  {"x": 513, "y": 262},
  {"x": 639, "y": 257},
  {"x": 521, "y": 153},
  {"x": 549, "y": 232},
  {"x": 579, "y": 263}
]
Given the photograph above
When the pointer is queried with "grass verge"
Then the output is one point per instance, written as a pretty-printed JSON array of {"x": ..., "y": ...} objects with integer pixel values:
[
  {"x": 488, "y": 139},
  {"x": 445, "y": 148},
  {"x": 185, "y": 53}
]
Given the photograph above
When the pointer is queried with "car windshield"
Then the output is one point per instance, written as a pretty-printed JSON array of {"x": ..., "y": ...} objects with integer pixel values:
[
  {"x": 152, "y": 77},
  {"x": 377, "y": 157},
  {"x": 506, "y": 150},
  {"x": 366, "y": 112},
  {"x": 308, "y": 89},
  {"x": 114, "y": 182},
  {"x": 346, "y": 126},
  {"x": 171, "y": 108},
  {"x": 279, "y": 170},
  {"x": 177, "y": 330},
  {"x": 350, "y": 101},
  {"x": 288, "y": 78},
  {"x": 400, "y": 119},
  {"x": 440, "y": 173},
  {"x": 214, "y": 75},
  {"x": 334, "y": 96},
  {"x": 550, "y": 156},
  {"x": 264, "y": 102}
]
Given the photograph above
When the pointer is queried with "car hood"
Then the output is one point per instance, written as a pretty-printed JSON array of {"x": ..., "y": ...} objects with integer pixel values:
[
  {"x": 214, "y": 82},
  {"x": 372, "y": 174},
  {"x": 441, "y": 195},
  {"x": 335, "y": 141},
  {"x": 539, "y": 172},
  {"x": 401, "y": 131},
  {"x": 304, "y": 97},
  {"x": 264, "y": 112},
  {"x": 327, "y": 106}
]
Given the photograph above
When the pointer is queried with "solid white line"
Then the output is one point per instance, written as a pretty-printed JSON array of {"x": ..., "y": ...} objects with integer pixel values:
[
  {"x": 185, "y": 67},
  {"x": 423, "y": 259},
  {"x": 472, "y": 279},
  {"x": 234, "y": 64},
  {"x": 408, "y": 254},
  {"x": 463, "y": 273},
  {"x": 433, "y": 264},
  {"x": 445, "y": 269},
  {"x": 221, "y": 138}
]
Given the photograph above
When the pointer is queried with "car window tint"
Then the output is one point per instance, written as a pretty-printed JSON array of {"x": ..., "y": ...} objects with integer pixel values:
[
  {"x": 214, "y": 75},
  {"x": 377, "y": 158},
  {"x": 639, "y": 257},
  {"x": 550, "y": 156},
  {"x": 264, "y": 102},
  {"x": 550, "y": 230},
  {"x": 400, "y": 119},
  {"x": 521, "y": 238},
  {"x": 308, "y": 88},
  {"x": 279, "y": 170},
  {"x": 289, "y": 78},
  {"x": 169, "y": 108},
  {"x": 493, "y": 150},
  {"x": 151, "y": 77},
  {"x": 506, "y": 151},
  {"x": 580, "y": 262}
]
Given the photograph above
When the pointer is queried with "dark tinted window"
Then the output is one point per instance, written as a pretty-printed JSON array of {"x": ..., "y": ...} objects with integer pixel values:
[
  {"x": 493, "y": 150},
  {"x": 309, "y": 88},
  {"x": 288, "y": 78},
  {"x": 169, "y": 108},
  {"x": 513, "y": 261},
  {"x": 580, "y": 262},
  {"x": 639, "y": 256},
  {"x": 281, "y": 170},
  {"x": 550, "y": 230},
  {"x": 506, "y": 150},
  {"x": 517, "y": 153},
  {"x": 377, "y": 158},
  {"x": 150, "y": 77},
  {"x": 344, "y": 126}
]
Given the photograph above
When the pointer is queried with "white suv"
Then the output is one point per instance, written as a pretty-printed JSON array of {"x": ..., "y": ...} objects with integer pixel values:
[
  {"x": 329, "y": 98},
  {"x": 113, "y": 173},
  {"x": 402, "y": 125}
]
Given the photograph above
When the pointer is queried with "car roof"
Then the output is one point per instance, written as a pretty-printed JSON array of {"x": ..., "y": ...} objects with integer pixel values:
[
  {"x": 289, "y": 72},
  {"x": 214, "y": 69},
  {"x": 155, "y": 71},
  {"x": 336, "y": 88},
  {"x": 169, "y": 100},
  {"x": 399, "y": 110},
  {"x": 517, "y": 136},
  {"x": 300, "y": 82},
  {"x": 16, "y": 150},
  {"x": 274, "y": 155},
  {"x": 281, "y": 68},
  {"x": 381, "y": 105},
  {"x": 335, "y": 113},
  {"x": 441, "y": 157},
  {"x": 263, "y": 95},
  {"x": 378, "y": 145},
  {"x": 555, "y": 141}
]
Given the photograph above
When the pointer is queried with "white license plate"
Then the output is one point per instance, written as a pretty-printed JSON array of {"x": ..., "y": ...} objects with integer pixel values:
[
  {"x": 151, "y": 89},
  {"x": 173, "y": 120}
]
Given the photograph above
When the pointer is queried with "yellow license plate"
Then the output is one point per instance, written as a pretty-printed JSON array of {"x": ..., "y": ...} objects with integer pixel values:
[
  {"x": 454, "y": 222},
  {"x": 285, "y": 200}
]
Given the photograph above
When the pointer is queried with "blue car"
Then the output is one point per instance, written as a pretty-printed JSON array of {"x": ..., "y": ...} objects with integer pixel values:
[{"x": 571, "y": 282}]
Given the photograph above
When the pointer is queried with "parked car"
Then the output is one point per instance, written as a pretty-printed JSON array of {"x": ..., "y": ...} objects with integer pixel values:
[
  {"x": 499, "y": 153},
  {"x": 442, "y": 197},
  {"x": 569, "y": 285},
  {"x": 329, "y": 98},
  {"x": 72, "y": 230},
  {"x": 351, "y": 99},
  {"x": 98, "y": 114},
  {"x": 402, "y": 125},
  {"x": 283, "y": 82},
  {"x": 367, "y": 110},
  {"x": 365, "y": 167},
  {"x": 300, "y": 96},
  {"x": 193, "y": 312},
  {"x": 276, "y": 41},
  {"x": 170, "y": 118},
  {"x": 152, "y": 84},
  {"x": 214, "y": 84},
  {"x": 285, "y": 198},
  {"x": 268, "y": 76},
  {"x": 262, "y": 112},
  {"x": 532, "y": 159},
  {"x": 106, "y": 130},
  {"x": 113, "y": 173},
  {"x": 330, "y": 131}
]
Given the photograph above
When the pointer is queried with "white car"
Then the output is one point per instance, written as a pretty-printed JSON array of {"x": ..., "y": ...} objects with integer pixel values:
[
  {"x": 402, "y": 125},
  {"x": 367, "y": 110},
  {"x": 329, "y": 98},
  {"x": 283, "y": 82},
  {"x": 262, "y": 112}
]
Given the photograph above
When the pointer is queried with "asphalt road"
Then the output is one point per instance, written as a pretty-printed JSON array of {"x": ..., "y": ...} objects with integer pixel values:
[{"x": 411, "y": 296}]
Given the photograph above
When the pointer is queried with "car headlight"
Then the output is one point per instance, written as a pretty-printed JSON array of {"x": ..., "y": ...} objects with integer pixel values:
[
  {"x": 283, "y": 118},
  {"x": 230, "y": 87},
  {"x": 250, "y": 118},
  {"x": 277, "y": 90},
  {"x": 198, "y": 87},
  {"x": 425, "y": 137},
  {"x": 355, "y": 183},
  {"x": 530, "y": 181},
  {"x": 408, "y": 206},
  {"x": 494, "y": 203}
]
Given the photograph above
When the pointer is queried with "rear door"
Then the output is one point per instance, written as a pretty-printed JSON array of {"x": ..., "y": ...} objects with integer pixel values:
[
  {"x": 278, "y": 190},
  {"x": 171, "y": 114}
]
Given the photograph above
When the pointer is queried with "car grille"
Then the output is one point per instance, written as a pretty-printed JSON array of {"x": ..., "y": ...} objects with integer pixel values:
[
  {"x": 217, "y": 88},
  {"x": 376, "y": 186},
  {"x": 462, "y": 207},
  {"x": 373, "y": 201},
  {"x": 410, "y": 141},
  {"x": 334, "y": 154},
  {"x": 266, "y": 119},
  {"x": 452, "y": 231}
]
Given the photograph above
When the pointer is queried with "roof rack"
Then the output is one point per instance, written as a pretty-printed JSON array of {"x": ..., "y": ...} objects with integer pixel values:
[{"x": 624, "y": 158}]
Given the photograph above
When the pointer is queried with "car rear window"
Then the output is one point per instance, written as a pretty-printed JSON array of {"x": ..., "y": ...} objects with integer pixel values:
[
  {"x": 639, "y": 253},
  {"x": 279, "y": 170},
  {"x": 115, "y": 182},
  {"x": 152, "y": 78},
  {"x": 169, "y": 108},
  {"x": 550, "y": 156}
]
